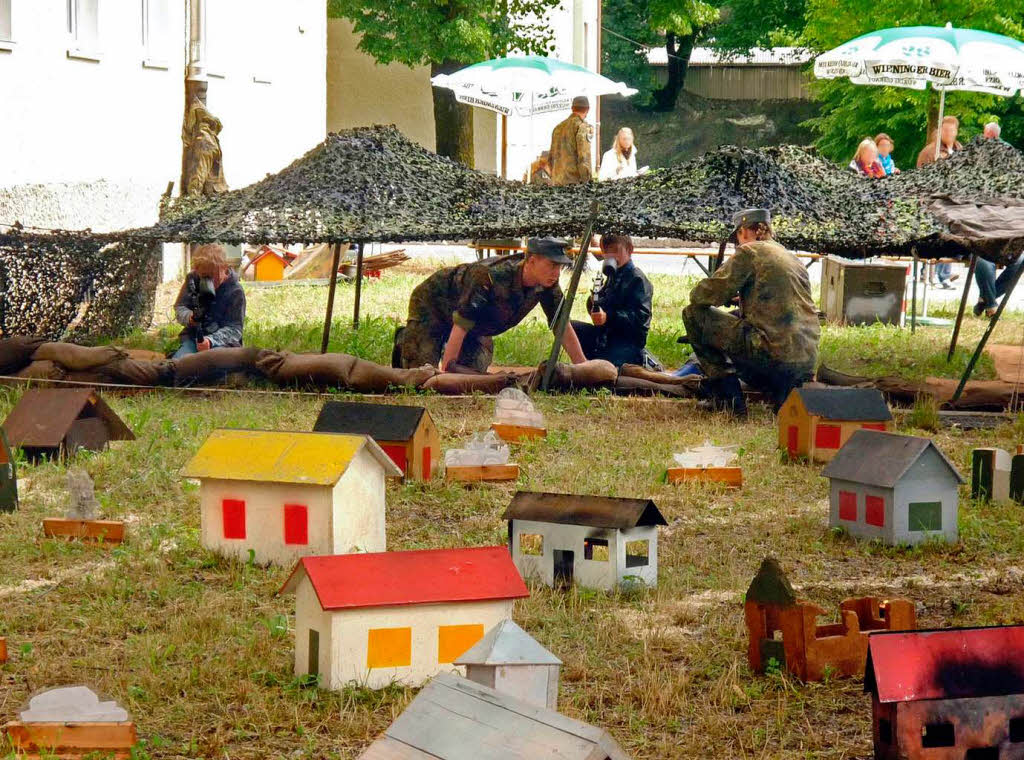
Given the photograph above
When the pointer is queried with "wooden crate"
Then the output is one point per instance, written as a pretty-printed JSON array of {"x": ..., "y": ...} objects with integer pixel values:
[
  {"x": 516, "y": 433},
  {"x": 485, "y": 472},
  {"x": 731, "y": 477},
  {"x": 71, "y": 740},
  {"x": 105, "y": 531}
]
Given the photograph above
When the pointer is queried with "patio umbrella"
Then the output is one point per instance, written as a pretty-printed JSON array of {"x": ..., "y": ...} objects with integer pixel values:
[{"x": 914, "y": 56}]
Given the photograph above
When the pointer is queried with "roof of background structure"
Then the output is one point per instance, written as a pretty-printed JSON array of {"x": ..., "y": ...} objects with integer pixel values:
[
  {"x": 881, "y": 459},
  {"x": 706, "y": 56},
  {"x": 581, "y": 509},
  {"x": 43, "y": 416},
  {"x": 382, "y": 422},
  {"x": 859, "y": 404}
]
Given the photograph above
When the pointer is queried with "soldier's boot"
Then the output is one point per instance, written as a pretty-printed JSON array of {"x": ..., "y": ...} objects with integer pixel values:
[{"x": 724, "y": 394}]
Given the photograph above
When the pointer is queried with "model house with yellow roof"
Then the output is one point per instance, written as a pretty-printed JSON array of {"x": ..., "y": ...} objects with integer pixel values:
[{"x": 287, "y": 495}]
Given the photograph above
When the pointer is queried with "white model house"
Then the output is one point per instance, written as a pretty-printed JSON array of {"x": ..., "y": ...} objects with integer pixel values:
[
  {"x": 596, "y": 541},
  {"x": 402, "y": 617},
  {"x": 511, "y": 661},
  {"x": 285, "y": 495}
]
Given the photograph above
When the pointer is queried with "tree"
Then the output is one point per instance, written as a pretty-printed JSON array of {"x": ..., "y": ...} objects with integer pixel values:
[
  {"x": 447, "y": 35},
  {"x": 747, "y": 24}
]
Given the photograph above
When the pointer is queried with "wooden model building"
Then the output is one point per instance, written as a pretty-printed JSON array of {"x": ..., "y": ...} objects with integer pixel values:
[
  {"x": 81, "y": 519},
  {"x": 285, "y": 495},
  {"x": 947, "y": 694},
  {"x": 268, "y": 264},
  {"x": 407, "y": 434},
  {"x": 806, "y": 649},
  {"x": 511, "y": 661},
  {"x": 595, "y": 541},
  {"x": 8, "y": 476},
  {"x": 53, "y": 421},
  {"x": 456, "y": 719},
  {"x": 996, "y": 476},
  {"x": 816, "y": 422},
  {"x": 900, "y": 489},
  {"x": 403, "y": 617},
  {"x": 706, "y": 464},
  {"x": 72, "y": 722}
]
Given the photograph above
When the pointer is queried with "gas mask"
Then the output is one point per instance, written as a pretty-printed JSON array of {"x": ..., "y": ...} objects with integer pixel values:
[
  {"x": 609, "y": 266},
  {"x": 206, "y": 287}
]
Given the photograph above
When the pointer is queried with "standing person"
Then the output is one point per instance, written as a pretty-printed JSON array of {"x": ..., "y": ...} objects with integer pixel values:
[
  {"x": 773, "y": 344},
  {"x": 885, "y": 145},
  {"x": 570, "y": 146},
  {"x": 865, "y": 160},
  {"x": 619, "y": 161},
  {"x": 621, "y": 310},
  {"x": 990, "y": 287},
  {"x": 454, "y": 313},
  {"x": 210, "y": 305},
  {"x": 949, "y": 130}
]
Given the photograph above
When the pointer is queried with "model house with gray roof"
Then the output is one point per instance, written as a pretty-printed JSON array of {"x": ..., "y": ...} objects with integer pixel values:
[{"x": 814, "y": 423}]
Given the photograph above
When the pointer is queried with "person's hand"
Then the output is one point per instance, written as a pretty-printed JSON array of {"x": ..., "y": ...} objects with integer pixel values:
[
  {"x": 895, "y": 171},
  {"x": 204, "y": 345},
  {"x": 192, "y": 320},
  {"x": 598, "y": 317}
]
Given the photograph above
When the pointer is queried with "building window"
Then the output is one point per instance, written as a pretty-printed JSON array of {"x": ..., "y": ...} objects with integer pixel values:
[
  {"x": 595, "y": 549},
  {"x": 826, "y": 437},
  {"x": 531, "y": 544},
  {"x": 296, "y": 524},
  {"x": 924, "y": 515},
  {"x": 455, "y": 640},
  {"x": 84, "y": 28},
  {"x": 938, "y": 735},
  {"x": 638, "y": 553},
  {"x": 6, "y": 35},
  {"x": 233, "y": 515},
  {"x": 848, "y": 506},
  {"x": 155, "y": 34},
  {"x": 389, "y": 648},
  {"x": 874, "y": 511}
]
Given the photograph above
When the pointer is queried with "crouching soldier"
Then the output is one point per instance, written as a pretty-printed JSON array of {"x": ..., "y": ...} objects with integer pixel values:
[{"x": 773, "y": 343}]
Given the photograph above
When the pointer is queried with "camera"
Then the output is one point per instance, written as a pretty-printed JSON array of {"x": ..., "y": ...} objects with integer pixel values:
[{"x": 201, "y": 293}]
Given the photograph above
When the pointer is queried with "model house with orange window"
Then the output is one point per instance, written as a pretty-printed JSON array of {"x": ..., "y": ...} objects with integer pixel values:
[
  {"x": 286, "y": 495},
  {"x": 407, "y": 434},
  {"x": 816, "y": 422},
  {"x": 397, "y": 617}
]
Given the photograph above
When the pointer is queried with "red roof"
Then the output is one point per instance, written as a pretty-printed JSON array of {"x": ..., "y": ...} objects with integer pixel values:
[
  {"x": 429, "y": 576},
  {"x": 954, "y": 663}
]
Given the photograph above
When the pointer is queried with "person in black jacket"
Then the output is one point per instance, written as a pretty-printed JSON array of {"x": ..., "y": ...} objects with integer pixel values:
[
  {"x": 620, "y": 310},
  {"x": 210, "y": 305}
]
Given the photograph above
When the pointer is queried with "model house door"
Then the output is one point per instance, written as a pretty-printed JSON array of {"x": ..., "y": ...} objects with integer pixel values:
[
  {"x": 313, "y": 662},
  {"x": 793, "y": 434},
  {"x": 563, "y": 567}
]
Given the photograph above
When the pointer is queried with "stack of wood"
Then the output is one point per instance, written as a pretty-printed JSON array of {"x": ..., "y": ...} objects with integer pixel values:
[{"x": 384, "y": 260}]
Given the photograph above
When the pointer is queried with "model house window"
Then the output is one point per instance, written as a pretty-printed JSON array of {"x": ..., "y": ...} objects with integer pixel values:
[
  {"x": 389, "y": 647},
  {"x": 532, "y": 544},
  {"x": 982, "y": 753},
  {"x": 885, "y": 731},
  {"x": 874, "y": 426},
  {"x": 1017, "y": 730},
  {"x": 6, "y": 35},
  {"x": 595, "y": 549},
  {"x": 426, "y": 463},
  {"x": 638, "y": 553},
  {"x": 84, "y": 28},
  {"x": 397, "y": 455},
  {"x": 924, "y": 515},
  {"x": 455, "y": 640},
  {"x": 826, "y": 437},
  {"x": 313, "y": 659},
  {"x": 938, "y": 735},
  {"x": 233, "y": 516},
  {"x": 874, "y": 511},
  {"x": 848, "y": 506},
  {"x": 296, "y": 524},
  {"x": 155, "y": 34}
]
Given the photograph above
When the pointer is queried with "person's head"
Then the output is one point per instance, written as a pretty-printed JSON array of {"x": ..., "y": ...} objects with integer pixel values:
[
  {"x": 751, "y": 225},
  {"x": 617, "y": 247},
  {"x": 624, "y": 141},
  {"x": 209, "y": 262},
  {"x": 545, "y": 259},
  {"x": 992, "y": 130},
  {"x": 867, "y": 152},
  {"x": 949, "y": 130},
  {"x": 884, "y": 144},
  {"x": 581, "y": 106}
]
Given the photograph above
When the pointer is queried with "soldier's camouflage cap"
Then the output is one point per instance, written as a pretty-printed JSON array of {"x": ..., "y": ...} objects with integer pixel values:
[
  {"x": 549, "y": 248},
  {"x": 749, "y": 217}
]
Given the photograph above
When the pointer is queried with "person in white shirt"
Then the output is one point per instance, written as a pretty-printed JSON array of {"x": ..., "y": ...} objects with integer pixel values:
[{"x": 619, "y": 161}]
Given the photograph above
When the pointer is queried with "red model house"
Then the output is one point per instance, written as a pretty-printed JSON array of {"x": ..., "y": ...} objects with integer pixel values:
[{"x": 816, "y": 422}]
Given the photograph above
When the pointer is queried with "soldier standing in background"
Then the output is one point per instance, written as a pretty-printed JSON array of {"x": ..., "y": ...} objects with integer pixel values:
[{"x": 570, "y": 146}]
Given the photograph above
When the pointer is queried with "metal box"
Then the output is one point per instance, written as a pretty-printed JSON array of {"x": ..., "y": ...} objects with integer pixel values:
[{"x": 862, "y": 293}]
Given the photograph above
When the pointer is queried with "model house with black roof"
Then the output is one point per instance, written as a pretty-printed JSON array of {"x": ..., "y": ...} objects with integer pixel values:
[{"x": 816, "y": 422}]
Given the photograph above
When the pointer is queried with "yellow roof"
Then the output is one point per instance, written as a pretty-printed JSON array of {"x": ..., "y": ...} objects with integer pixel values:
[{"x": 316, "y": 459}]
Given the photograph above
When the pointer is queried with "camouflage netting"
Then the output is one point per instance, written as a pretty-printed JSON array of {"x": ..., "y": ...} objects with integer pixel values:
[
  {"x": 76, "y": 284},
  {"x": 372, "y": 184}
]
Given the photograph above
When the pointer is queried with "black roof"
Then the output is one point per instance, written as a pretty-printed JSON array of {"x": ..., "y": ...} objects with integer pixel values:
[
  {"x": 382, "y": 422},
  {"x": 860, "y": 404},
  {"x": 580, "y": 509},
  {"x": 770, "y": 585},
  {"x": 881, "y": 459}
]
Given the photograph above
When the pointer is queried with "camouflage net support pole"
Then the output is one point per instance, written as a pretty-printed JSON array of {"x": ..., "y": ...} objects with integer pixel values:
[
  {"x": 359, "y": 284},
  {"x": 963, "y": 307},
  {"x": 565, "y": 308},
  {"x": 336, "y": 260},
  {"x": 913, "y": 294}
]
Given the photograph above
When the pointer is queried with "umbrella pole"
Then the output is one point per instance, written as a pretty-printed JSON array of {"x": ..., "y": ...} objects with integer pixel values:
[
  {"x": 504, "y": 146},
  {"x": 938, "y": 124},
  {"x": 963, "y": 307},
  {"x": 359, "y": 283},
  {"x": 336, "y": 260}
]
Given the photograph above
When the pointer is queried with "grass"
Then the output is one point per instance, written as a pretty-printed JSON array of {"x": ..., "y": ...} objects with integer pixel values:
[{"x": 199, "y": 649}]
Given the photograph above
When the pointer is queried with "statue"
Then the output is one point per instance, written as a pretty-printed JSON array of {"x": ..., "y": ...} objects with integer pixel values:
[{"x": 204, "y": 169}]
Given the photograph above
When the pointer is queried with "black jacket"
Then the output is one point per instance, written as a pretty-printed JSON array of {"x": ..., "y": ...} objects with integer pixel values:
[
  {"x": 225, "y": 318},
  {"x": 626, "y": 300}
]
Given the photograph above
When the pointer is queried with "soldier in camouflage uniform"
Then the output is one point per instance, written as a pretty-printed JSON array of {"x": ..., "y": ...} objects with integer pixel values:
[
  {"x": 773, "y": 344},
  {"x": 455, "y": 311},
  {"x": 570, "y": 146}
]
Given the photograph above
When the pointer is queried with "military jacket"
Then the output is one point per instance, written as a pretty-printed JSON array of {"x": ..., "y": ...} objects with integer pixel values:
[{"x": 570, "y": 152}]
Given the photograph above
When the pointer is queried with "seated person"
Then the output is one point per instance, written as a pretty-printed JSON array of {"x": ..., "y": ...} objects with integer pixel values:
[
  {"x": 210, "y": 305},
  {"x": 773, "y": 343},
  {"x": 620, "y": 310},
  {"x": 454, "y": 313}
]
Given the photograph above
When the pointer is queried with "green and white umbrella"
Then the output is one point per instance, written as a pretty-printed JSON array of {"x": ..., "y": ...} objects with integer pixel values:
[{"x": 527, "y": 85}]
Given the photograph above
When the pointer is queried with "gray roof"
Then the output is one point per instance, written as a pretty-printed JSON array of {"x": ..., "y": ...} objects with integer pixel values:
[
  {"x": 580, "y": 509},
  {"x": 848, "y": 404},
  {"x": 881, "y": 459},
  {"x": 508, "y": 644},
  {"x": 382, "y": 422}
]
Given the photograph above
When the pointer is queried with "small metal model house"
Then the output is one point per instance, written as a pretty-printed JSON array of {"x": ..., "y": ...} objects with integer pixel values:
[
  {"x": 57, "y": 422},
  {"x": 816, "y": 422},
  {"x": 72, "y": 722},
  {"x": 808, "y": 650},
  {"x": 595, "y": 541},
  {"x": 400, "y": 617},
  {"x": 511, "y": 661},
  {"x": 285, "y": 495},
  {"x": 900, "y": 489},
  {"x": 8, "y": 476},
  {"x": 996, "y": 476},
  {"x": 947, "y": 694},
  {"x": 456, "y": 719},
  {"x": 406, "y": 433}
]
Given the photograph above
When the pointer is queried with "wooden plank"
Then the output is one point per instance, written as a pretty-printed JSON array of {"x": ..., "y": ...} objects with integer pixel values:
[
  {"x": 107, "y": 531},
  {"x": 487, "y": 472},
  {"x": 3, "y": 649},
  {"x": 72, "y": 740},
  {"x": 731, "y": 477},
  {"x": 387, "y": 748},
  {"x": 516, "y": 433}
]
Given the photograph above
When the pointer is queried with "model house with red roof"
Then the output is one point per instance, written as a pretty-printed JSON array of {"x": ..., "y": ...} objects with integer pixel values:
[
  {"x": 947, "y": 694},
  {"x": 397, "y": 617}
]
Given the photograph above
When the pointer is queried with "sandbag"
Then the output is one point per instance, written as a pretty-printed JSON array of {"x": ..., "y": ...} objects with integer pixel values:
[
  {"x": 451, "y": 384},
  {"x": 338, "y": 371},
  {"x": 214, "y": 364},
  {"x": 78, "y": 358},
  {"x": 41, "y": 370},
  {"x": 636, "y": 386},
  {"x": 594, "y": 373},
  {"x": 144, "y": 355},
  {"x": 16, "y": 353},
  {"x": 132, "y": 372},
  {"x": 87, "y": 377}
]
